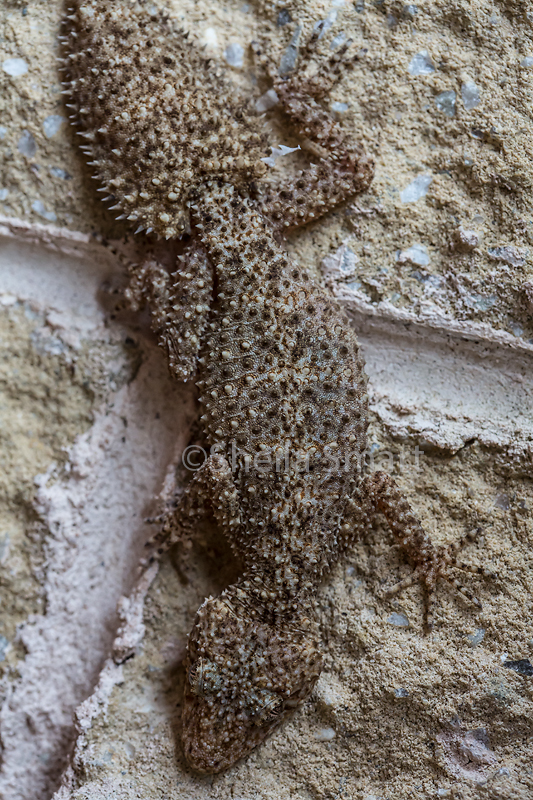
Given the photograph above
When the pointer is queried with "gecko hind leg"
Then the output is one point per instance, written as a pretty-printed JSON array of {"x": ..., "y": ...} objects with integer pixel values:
[
  {"x": 210, "y": 491},
  {"x": 179, "y": 304},
  {"x": 430, "y": 563}
]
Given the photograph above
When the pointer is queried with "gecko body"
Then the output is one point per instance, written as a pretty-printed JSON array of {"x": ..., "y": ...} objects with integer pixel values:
[{"x": 282, "y": 384}]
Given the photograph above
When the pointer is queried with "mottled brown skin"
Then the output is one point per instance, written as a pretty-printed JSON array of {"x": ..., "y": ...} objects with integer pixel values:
[{"x": 283, "y": 392}]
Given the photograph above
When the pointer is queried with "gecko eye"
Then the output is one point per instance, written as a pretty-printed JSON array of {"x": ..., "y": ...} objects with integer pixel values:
[
  {"x": 204, "y": 677},
  {"x": 264, "y": 706}
]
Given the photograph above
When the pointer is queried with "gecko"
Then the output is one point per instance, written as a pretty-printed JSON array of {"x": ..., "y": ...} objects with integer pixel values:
[{"x": 283, "y": 393}]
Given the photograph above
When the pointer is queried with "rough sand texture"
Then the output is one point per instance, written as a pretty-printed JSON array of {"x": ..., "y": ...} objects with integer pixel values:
[{"x": 442, "y": 292}]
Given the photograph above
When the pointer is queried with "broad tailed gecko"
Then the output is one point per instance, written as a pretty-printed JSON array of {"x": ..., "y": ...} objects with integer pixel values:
[{"x": 283, "y": 391}]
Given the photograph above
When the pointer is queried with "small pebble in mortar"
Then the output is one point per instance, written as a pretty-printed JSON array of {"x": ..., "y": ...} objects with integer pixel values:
[
  {"x": 52, "y": 124},
  {"x": 470, "y": 95},
  {"x": 445, "y": 102},
  {"x": 234, "y": 55},
  {"x": 15, "y": 67},
  {"x": 416, "y": 189},
  {"x": 39, "y": 208},
  {"x": 421, "y": 64},
  {"x": 26, "y": 144},
  {"x": 416, "y": 254}
]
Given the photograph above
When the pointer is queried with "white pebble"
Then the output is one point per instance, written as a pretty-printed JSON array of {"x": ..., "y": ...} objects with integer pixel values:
[
  {"x": 416, "y": 189},
  {"x": 445, "y": 102},
  {"x": 339, "y": 108},
  {"x": 4, "y": 194},
  {"x": 527, "y": 61},
  {"x": 421, "y": 64},
  {"x": 400, "y": 620},
  {"x": 470, "y": 95},
  {"x": 234, "y": 54},
  {"x": 26, "y": 144},
  {"x": 347, "y": 260},
  {"x": 39, "y": 208},
  {"x": 416, "y": 254},
  {"x": 325, "y": 735},
  {"x": 57, "y": 172},
  {"x": 3, "y": 132},
  {"x": 4, "y": 647},
  {"x": 476, "y": 638},
  {"x": 339, "y": 39},
  {"x": 514, "y": 256},
  {"x": 52, "y": 124},
  {"x": 465, "y": 239},
  {"x": 15, "y": 67}
]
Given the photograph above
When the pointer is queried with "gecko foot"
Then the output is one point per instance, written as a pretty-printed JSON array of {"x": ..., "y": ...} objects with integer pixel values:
[
  {"x": 169, "y": 532},
  {"x": 430, "y": 563},
  {"x": 331, "y": 66},
  {"x": 341, "y": 168}
]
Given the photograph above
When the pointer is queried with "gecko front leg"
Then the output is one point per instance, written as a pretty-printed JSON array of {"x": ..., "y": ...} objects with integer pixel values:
[
  {"x": 343, "y": 168},
  {"x": 179, "y": 303}
]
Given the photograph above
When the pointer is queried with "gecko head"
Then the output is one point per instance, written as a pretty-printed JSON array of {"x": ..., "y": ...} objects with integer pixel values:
[{"x": 244, "y": 675}]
